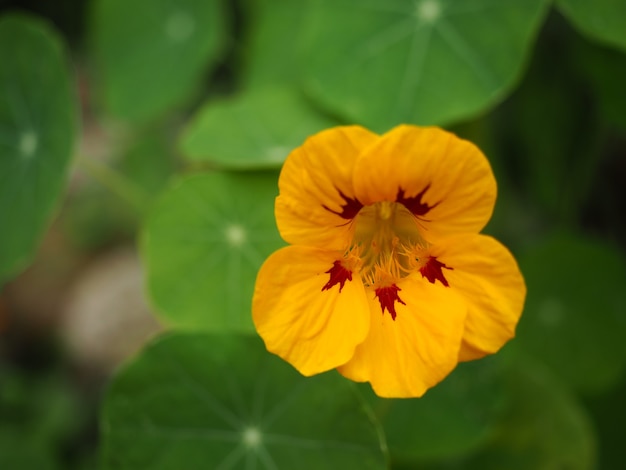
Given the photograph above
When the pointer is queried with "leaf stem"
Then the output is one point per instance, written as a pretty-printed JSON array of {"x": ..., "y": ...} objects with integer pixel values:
[{"x": 115, "y": 182}]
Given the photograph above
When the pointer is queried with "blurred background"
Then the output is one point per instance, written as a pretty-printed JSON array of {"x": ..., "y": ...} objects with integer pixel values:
[{"x": 146, "y": 99}]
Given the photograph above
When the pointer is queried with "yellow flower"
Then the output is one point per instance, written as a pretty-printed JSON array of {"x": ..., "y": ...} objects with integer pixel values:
[{"x": 387, "y": 279}]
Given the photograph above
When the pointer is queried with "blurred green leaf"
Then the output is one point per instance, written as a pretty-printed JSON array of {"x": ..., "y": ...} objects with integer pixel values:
[
  {"x": 545, "y": 428},
  {"x": 608, "y": 412},
  {"x": 549, "y": 136},
  {"x": 37, "y": 128},
  {"x": 273, "y": 42},
  {"x": 605, "y": 69},
  {"x": 150, "y": 54},
  {"x": 216, "y": 401},
  {"x": 203, "y": 244},
  {"x": 94, "y": 215},
  {"x": 575, "y": 315},
  {"x": 148, "y": 162},
  {"x": 255, "y": 130},
  {"x": 379, "y": 63},
  {"x": 455, "y": 417},
  {"x": 38, "y": 413},
  {"x": 601, "y": 20},
  {"x": 19, "y": 452}
]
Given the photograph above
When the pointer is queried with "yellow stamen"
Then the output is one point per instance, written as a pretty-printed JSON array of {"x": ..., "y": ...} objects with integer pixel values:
[{"x": 386, "y": 236}]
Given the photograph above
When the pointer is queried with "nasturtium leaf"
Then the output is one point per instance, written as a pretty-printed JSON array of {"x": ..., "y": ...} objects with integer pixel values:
[
  {"x": 151, "y": 54},
  {"x": 605, "y": 70},
  {"x": 39, "y": 415},
  {"x": 575, "y": 315},
  {"x": 544, "y": 428},
  {"x": 199, "y": 401},
  {"x": 273, "y": 42},
  {"x": 380, "y": 63},
  {"x": 19, "y": 451},
  {"x": 608, "y": 411},
  {"x": 202, "y": 245},
  {"x": 37, "y": 129},
  {"x": 548, "y": 136},
  {"x": 602, "y": 20},
  {"x": 453, "y": 418},
  {"x": 257, "y": 129}
]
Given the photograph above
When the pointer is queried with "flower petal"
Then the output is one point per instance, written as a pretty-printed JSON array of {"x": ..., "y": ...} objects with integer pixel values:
[
  {"x": 444, "y": 180},
  {"x": 316, "y": 200},
  {"x": 406, "y": 356},
  {"x": 304, "y": 313},
  {"x": 486, "y": 275}
]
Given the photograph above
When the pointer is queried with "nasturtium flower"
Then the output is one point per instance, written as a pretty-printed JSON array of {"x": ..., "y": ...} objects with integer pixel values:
[{"x": 387, "y": 278}]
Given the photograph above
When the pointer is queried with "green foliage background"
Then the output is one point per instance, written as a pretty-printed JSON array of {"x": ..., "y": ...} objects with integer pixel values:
[{"x": 205, "y": 99}]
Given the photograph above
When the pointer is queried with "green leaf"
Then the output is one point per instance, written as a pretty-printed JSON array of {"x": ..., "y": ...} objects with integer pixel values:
[
  {"x": 151, "y": 54},
  {"x": 456, "y": 416},
  {"x": 575, "y": 315},
  {"x": 18, "y": 451},
  {"x": 202, "y": 245},
  {"x": 199, "y": 401},
  {"x": 40, "y": 413},
  {"x": 604, "y": 410},
  {"x": 37, "y": 128},
  {"x": 255, "y": 130},
  {"x": 601, "y": 20},
  {"x": 380, "y": 63},
  {"x": 270, "y": 59},
  {"x": 605, "y": 70},
  {"x": 555, "y": 146},
  {"x": 544, "y": 428}
]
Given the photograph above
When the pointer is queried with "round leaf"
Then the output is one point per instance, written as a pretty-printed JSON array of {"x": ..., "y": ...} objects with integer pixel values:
[
  {"x": 222, "y": 402},
  {"x": 270, "y": 59},
  {"x": 255, "y": 130},
  {"x": 575, "y": 315},
  {"x": 203, "y": 244},
  {"x": 544, "y": 428},
  {"x": 381, "y": 63},
  {"x": 37, "y": 128},
  {"x": 602, "y": 20},
  {"x": 456, "y": 416},
  {"x": 150, "y": 54}
]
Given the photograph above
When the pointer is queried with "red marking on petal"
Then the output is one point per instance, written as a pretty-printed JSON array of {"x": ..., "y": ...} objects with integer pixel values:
[
  {"x": 388, "y": 296},
  {"x": 338, "y": 275},
  {"x": 414, "y": 203},
  {"x": 349, "y": 210},
  {"x": 432, "y": 271}
]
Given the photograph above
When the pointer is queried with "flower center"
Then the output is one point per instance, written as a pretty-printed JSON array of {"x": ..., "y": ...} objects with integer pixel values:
[
  {"x": 386, "y": 239},
  {"x": 386, "y": 247}
]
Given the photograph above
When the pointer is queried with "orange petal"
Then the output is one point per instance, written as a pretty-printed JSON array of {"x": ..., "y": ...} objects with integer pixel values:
[
  {"x": 485, "y": 273},
  {"x": 446, "y": 180},
  {"x": 406, "y": 356},
  {"x": 302, "y": 315},
  {"x": 310, "y": 209}
]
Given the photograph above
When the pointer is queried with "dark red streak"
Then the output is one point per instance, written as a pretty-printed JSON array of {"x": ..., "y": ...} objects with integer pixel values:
[
  {"x": 349, "y": 210},
  {"x": 414, "y": 203},
  {"x": 432, "y": 271},
  {"x": 388, "y": 296},
  {"x": 338, "y": 275}
]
